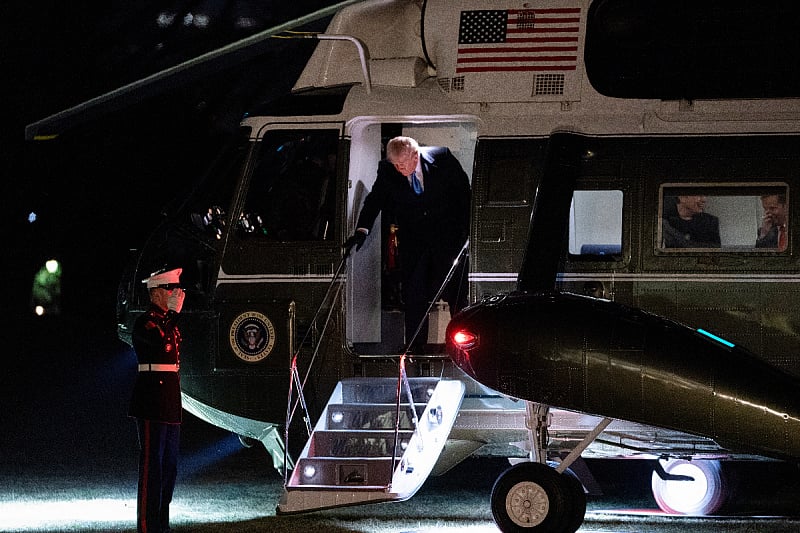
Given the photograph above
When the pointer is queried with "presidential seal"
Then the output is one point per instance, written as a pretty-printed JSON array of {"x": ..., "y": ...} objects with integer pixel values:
[{"x": 252, "y": 337}]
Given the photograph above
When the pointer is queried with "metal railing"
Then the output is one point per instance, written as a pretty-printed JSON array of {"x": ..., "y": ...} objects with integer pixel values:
[{"x": 403, "y": 385}]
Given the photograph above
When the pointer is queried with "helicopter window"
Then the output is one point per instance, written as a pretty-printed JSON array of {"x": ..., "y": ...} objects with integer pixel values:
[
  {"x": 595, "y": 224},
  {"x": 211, "y": 198},
  {"x": 693, "y": 49},
  {"x": 291, "y": 196},
  {"x": 723, "y": 217}
]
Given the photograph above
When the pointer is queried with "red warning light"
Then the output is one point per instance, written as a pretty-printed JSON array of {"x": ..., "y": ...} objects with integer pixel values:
[{"x": 465, "y": 339}]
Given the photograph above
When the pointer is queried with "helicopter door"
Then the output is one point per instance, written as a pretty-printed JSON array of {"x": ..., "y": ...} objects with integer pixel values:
[
  {"x": 283, "y": 246},
  {"x": 375, "y": 318}
]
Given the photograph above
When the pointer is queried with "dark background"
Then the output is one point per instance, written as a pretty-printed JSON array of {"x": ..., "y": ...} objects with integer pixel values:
[{"x": 98, "y": 190}]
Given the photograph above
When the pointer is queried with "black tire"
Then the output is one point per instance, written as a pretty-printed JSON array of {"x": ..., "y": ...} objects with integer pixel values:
[
  {"x": 532, "y": 497},
  {"x": 577, "y": 500},
  {"x": 577, "y": 497}
]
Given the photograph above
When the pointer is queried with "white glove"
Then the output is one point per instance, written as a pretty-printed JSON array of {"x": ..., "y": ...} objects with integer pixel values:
[{"x": 175, "y": 300}]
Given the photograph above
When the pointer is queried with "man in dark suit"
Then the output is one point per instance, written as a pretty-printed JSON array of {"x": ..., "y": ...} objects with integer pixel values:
[
  {"x": 429, "y": 193},
  {"x": 687, "y": 226},
  {"x": 772, "y": 233},
  {"x": 156, "y": 400}
]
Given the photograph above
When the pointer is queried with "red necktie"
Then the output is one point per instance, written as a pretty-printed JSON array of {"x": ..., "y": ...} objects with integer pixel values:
[{"x": 781, "y": 238}]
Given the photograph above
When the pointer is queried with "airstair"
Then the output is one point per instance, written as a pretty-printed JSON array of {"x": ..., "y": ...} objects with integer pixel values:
[{"x": 368, "y": 446}]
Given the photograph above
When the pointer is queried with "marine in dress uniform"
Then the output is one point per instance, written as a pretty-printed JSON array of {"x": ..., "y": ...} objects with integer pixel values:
[{"x": 156, "y": 400}]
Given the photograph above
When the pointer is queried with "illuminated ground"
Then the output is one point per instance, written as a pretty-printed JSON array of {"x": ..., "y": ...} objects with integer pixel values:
[
  {"x": 68, "y": 463},
  {"x": 225, "y": 488}
]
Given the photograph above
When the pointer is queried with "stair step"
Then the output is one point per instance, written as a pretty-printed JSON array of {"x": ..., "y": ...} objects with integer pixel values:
[
  {"x": 370, "y": 416},
  {"x": 357, "y": 443},
  {"x": 348, "y": 459},
  {"x": 384, "y": 390},
  {"x": 338, "y": 472}
]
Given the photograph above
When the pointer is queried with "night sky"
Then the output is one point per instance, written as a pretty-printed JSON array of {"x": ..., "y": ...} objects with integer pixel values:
[{"x": 98, "y": 189}]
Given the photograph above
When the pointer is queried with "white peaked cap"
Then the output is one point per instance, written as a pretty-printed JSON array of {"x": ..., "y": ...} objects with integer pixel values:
[{"x": 163, "y": 278}]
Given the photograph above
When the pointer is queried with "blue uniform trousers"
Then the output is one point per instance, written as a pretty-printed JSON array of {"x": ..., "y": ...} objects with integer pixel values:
[{"x": 158, "y": 468}]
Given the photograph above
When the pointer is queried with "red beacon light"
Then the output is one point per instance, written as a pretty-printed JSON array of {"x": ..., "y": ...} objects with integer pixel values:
[{"x": 464, "y": 339}]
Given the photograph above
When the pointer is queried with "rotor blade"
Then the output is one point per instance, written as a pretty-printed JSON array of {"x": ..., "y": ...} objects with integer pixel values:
[{"x": 50, "y": 127}]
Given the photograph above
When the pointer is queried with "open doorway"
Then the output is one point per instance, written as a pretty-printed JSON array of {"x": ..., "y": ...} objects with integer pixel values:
[{"x": 375, "y": 305}]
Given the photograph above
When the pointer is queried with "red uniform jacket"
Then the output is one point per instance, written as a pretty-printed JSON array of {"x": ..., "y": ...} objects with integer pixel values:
[{"x": 156, "y": 339}]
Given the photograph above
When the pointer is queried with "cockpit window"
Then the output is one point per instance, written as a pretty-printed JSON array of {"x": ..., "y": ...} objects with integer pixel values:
[
  {"x": 723, "y": 217},
  {"x": 693, "y": 49},
  {"x": 209, "y": 202},
  {"x": 291, "y": 196},
  {"x": 595, "y": 224}
]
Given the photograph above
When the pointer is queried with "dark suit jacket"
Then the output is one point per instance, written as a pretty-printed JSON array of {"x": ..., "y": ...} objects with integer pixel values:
[
  {"x": 770, "y": 240},
  {"x": 156, "y": 339},
  {"x": 437, "y": 217},
  {"x": 702, "y": 231}
]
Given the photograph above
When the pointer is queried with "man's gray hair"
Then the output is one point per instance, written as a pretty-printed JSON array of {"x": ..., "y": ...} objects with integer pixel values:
[{"x": 401, "y": 146}]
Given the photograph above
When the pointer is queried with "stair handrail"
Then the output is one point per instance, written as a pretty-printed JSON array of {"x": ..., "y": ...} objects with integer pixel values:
[
  {"x": 402, "y": 378},
  {"x": 461, "y": 253},
  {"x": 294, "y": 375},
  {"x": 316, "y": 349},
  {"x": 402, "y": 382}
]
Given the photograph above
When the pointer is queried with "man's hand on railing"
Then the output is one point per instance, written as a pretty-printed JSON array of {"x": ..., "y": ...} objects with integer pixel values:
[{"x": 357, "y": 240}]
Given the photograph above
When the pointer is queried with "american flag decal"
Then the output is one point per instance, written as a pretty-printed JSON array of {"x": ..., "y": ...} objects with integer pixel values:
[{"x": 518, "y": 40}]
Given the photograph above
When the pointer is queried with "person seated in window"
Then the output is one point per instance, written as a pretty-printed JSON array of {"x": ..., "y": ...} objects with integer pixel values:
[
  {"x": 688, "y": 226},
  {"x": 772, "y": 233}
]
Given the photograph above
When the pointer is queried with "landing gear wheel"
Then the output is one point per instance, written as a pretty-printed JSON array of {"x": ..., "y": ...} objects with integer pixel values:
[
  {"x": 705, "y": 495},
  {"x": 532, "y": 497},
  {"x": 577, "y": 499}
]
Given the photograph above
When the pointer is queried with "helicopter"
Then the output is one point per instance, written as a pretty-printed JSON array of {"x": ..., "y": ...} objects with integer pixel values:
[{"x": 295, "y": 342}]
